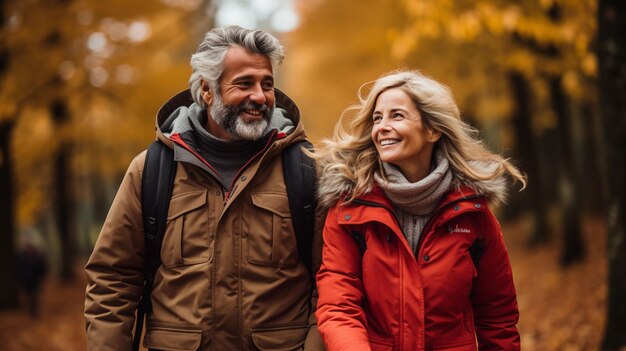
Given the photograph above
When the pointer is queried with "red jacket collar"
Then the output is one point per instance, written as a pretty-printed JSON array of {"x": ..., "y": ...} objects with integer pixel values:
[
  {"x": 457, "y": 194},
  {"x": 457, "y": 201}
]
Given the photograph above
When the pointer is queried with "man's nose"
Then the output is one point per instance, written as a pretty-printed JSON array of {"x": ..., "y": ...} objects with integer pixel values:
[{"x": 258, "y": 95}]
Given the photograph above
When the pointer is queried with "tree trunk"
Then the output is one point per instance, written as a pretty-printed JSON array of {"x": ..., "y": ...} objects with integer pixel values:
[
  {"x": 592, "y": 167},
  {"x": 612, "y": 64},
  {"x": 572, "y": 249},
  {"x": 8, "y": 284},
  {"x": 8, "y": 292},
  {"x": 63, "y": 199},
  {"x": 528, "y": 157}
]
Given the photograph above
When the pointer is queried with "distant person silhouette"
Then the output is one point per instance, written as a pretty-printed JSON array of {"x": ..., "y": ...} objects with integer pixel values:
[{"x": 31, "y": 269}]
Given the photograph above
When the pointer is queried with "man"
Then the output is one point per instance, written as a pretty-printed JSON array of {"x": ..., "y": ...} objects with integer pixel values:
[{"x": 230, "y": 278}]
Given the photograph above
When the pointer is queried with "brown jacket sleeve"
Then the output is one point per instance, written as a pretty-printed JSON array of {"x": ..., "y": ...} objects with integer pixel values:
[
  {"x": 115, "y": 269},
  {"x": 314, "y": 341}
]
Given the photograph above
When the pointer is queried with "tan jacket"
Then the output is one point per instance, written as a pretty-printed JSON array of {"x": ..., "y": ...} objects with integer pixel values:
[{"x": 230, "y": 277}]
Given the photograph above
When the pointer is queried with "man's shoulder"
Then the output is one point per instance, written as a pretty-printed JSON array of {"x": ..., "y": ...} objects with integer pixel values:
[{"x": 138, "y": 162}]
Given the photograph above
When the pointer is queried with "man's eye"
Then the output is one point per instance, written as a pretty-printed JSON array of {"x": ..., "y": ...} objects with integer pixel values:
[{"x": 268, "y": 85}]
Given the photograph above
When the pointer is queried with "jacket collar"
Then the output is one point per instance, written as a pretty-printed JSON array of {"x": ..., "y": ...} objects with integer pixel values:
[
  {"x": 184, "y": 98},
  {"x": 460, "y": 200},
  {"x": 375, "y": 206}
]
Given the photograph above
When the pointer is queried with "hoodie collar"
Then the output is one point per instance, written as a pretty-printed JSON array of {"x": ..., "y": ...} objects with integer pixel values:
[{"x": 183, "y": 99}]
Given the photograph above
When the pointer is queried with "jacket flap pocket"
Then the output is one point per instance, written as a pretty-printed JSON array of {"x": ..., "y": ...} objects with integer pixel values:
[
  {"x": 172, "y": 339},
  {"x": 186, "y": 202},
  {"x": 274, "y": 202},
  {"x": 279, "y": 339}
]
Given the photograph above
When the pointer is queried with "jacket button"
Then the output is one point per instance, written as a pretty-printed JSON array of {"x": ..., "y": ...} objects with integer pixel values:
[
  {"x": 457, "y": 207},
  {"x": 218, "y": 193},
  {"x": 244, "y": 177},
  {"x": 477, "y": 205},
  {"x": 347, "y": 217},
  {"x": 426, "y": 258}
]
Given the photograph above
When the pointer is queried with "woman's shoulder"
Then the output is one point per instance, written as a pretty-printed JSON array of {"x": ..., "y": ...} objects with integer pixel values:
[{"x": 332, "y": 188}]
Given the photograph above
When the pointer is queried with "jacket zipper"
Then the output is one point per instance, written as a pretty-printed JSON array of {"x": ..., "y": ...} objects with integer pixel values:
[
  {"x": 376, "y": 204},
  {"x": 379, "y": 205}
]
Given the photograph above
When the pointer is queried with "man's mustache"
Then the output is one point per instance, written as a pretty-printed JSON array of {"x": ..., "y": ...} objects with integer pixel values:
[{"x": 249, "y": 105}]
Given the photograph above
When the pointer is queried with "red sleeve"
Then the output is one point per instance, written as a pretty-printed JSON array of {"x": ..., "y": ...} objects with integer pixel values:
[
  {"x": 494, "y": 298},
  {"x": 340, "y": 316}
]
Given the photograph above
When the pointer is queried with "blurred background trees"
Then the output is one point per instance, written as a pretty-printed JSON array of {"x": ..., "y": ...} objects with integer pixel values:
[
  {"x": 81, "y": 81},
  {"x": 524, "y": 73},
  {"x": 612, "y": 89}
]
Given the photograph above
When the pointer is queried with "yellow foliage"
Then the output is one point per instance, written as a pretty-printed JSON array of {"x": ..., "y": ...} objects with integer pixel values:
[
  {"x": 492, "y": 20},
  {"x": 535, "y": 31},
  {"x": 589, "y": 65},
  {"x": 572, "y": 85},
  {"x": 110, "y": 119},
  {"x": 405, "y": 42},
  {"x": 511, "y": 17},
  {"x": 466, "y": 28}
]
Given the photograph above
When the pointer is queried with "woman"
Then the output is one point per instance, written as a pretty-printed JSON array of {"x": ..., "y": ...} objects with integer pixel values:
[{"x": 413, "y": 258}]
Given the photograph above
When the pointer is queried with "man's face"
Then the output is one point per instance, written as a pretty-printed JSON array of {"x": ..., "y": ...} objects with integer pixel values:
[{"x": 244, "y": 105}]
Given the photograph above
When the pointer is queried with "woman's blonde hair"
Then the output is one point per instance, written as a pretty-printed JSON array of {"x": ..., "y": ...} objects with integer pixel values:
[{"x": 351, "y": 154}]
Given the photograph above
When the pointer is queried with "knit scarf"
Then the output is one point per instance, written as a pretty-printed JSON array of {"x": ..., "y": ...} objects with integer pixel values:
[{"x": 414, "y": 203}]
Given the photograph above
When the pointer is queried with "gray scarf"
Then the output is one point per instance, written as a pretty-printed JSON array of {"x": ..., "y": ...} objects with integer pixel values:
[{"x": 414, "y": 203}]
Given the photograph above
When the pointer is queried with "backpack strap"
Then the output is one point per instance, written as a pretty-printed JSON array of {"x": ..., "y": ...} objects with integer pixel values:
[
  {"x": 477, "y": 249},
  {"x": 359, "y": 239},
  {"x": 157, "y": 183},
  {"x": 301, "y": 183}
]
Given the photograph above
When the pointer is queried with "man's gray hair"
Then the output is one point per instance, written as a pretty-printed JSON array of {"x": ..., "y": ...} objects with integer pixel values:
[{"x": 208, "y": 62}]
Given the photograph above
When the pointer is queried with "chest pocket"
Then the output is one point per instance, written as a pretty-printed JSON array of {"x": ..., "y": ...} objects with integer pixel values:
[
  {"x": 186, "y": 240},
  {"x": 269, "y": 231}
]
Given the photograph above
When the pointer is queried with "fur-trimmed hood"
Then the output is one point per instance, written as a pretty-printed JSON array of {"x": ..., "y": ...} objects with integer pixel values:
[{"x": 333, "y": 184}]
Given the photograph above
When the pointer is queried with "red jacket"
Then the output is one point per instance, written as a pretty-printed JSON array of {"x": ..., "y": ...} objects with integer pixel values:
[{"x": 387, "y": 299}]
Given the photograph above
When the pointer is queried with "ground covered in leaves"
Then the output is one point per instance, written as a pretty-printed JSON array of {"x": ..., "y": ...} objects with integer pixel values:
[{"x": 561, "y": 308}]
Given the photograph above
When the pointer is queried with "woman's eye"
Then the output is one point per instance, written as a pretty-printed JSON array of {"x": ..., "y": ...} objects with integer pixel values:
[
  {"x": 398, "y": 115},
  {"x": 377, "y": 119}
]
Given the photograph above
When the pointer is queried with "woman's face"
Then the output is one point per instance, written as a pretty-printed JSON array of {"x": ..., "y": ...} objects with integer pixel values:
[{"x": 400, "y": 136}]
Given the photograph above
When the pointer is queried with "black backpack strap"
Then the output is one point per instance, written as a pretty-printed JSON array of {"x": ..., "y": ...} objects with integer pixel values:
[
  {"x": 301, "y": 183},
  {"x": 359, "y": 239},
  {"x": 157, "y": 183},
  {"x": 476, "y": 250}
]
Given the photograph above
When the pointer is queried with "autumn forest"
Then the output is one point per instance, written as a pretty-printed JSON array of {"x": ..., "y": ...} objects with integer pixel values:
[{"x": 542, "y": 80}]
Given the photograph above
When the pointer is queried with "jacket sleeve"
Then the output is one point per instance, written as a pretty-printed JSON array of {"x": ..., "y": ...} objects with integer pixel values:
[
  {"x": 115, "y": 269},
  {"x": 494, "y": 298},
  {"x": 340, "y": 315},
  {"x": 313, "y": 340}
]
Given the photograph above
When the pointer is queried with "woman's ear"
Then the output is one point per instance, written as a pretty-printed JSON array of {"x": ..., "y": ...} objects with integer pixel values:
[{"x": 433, "y": 135}]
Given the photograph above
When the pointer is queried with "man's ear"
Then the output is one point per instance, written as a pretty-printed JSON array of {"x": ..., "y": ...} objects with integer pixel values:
[{"x": 207, "y": 95}]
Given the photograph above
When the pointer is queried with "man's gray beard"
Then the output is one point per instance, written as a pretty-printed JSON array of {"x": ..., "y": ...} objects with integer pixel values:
[{"x": 234, "y": 125}]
